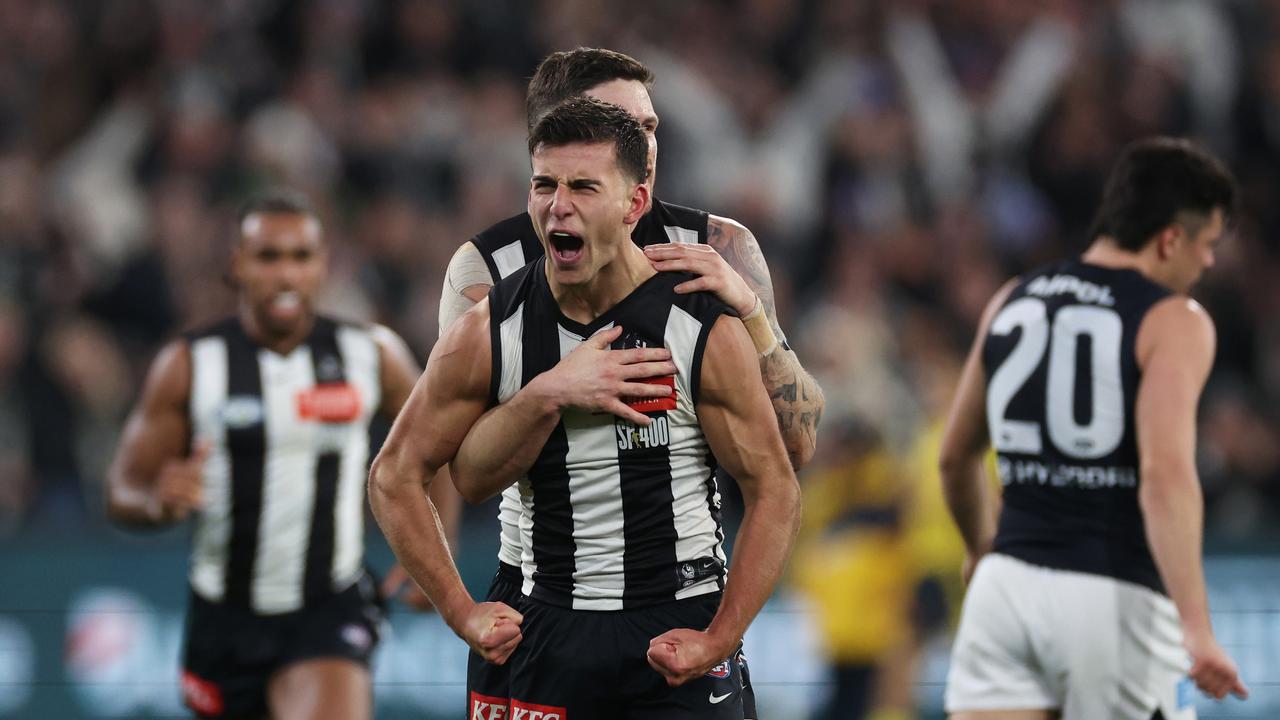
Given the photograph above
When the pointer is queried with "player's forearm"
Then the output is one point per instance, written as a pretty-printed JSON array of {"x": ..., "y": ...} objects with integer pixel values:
[
  {"x": 409, "y": 521},
  {"x": 760, "y": 554},
  {"x": 797, "y": 401},
  {"x": 504, "y": 443},
  {"x": 1173, "y": 513},
  {"x": 964, "y": 487}
]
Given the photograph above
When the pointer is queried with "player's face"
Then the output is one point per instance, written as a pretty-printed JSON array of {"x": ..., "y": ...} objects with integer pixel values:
[
  {"x": 279, "y": 265},
  {"x": 1194, "y": 253},
  {"x": 633, "y": 96},
  {"x": 582, "y": 206}
]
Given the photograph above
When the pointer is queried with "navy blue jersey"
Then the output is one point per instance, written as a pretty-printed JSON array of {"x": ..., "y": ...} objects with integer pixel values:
[{"x": 1062, "y": 383}]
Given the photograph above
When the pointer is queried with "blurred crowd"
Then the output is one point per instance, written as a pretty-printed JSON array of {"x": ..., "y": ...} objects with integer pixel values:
[{"x": 896, "y": 160}]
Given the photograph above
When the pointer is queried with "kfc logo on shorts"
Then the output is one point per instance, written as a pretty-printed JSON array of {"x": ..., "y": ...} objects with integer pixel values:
[
  {"x": 529, "y": 711},
  {"x": 487, "y": 707},
  {"x": 329, "y": 403},
  {"x": 720, "y": 671},
  {"x": 201, "y": 695}
]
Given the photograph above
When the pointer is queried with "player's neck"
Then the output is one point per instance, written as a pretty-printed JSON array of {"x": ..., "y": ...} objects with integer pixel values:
[
  {"x": 281, "y": 344},
  {"x": 588, "y": 301},
  {"x": 1104, "y": 252}
]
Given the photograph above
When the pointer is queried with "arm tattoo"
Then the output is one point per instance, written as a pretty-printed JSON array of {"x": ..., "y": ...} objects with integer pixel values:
[{"x": 797, "y": 399}]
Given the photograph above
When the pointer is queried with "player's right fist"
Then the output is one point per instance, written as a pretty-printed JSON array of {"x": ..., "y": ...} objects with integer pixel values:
[
  {"x": 492, "y": 629},
  {"x": 180, "y": 486}
]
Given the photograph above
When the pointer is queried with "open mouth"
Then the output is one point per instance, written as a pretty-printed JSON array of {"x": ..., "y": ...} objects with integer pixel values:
[{"x": 565, "y": 247}]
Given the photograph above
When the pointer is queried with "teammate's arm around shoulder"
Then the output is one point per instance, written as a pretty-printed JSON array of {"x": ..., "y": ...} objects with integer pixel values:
[
  {"x": 964, "y": 442},
  {"x": 155, "y": 479},
  {"x": 732, "y": 267},
  {"x": 443, "y": 405},
  {"x": 1175, "y": 349},
  {"x": 734, "y": 412}
]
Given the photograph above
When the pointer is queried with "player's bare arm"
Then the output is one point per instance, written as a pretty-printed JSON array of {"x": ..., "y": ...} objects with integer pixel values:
[
  {"x": 449, "y": 396},
  {"x": 736, "y": 417},
  {"x": 398, "y": 371},
  {"x": 504, "y": 444},
  {"x": 1175, "y": 348},
  {"x": 732, "y": 267},
  {"x": 965, "y": 443},
  {"x": 155, "y": 478}
]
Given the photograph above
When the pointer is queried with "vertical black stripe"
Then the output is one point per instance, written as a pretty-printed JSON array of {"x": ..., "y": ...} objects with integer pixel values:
[
  {"x": 553, "y": 542},
  {"x": 327, "y": 361},
  {"x": 496, "y": 318},
  {"x": 648, "y": 518},
  {"x": 246, "y": 447}
]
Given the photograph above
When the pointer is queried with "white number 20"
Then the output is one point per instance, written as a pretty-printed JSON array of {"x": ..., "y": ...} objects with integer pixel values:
[{"x": 1105, "y": 428}]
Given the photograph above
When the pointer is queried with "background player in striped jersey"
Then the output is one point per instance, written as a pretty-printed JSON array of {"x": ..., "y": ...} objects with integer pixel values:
[
  {"x": 259, "y": 426},
  {"x": 724, "y": 254},
  {"x": 589, "y": 541},
  {"x": 1085, "y": 376}
]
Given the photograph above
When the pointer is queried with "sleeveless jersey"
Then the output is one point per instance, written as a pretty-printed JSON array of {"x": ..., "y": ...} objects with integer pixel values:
[
  {"x": 1062, "y": 382},
  {"x": 283, "y": 521},
  {"x": 513, "y": 243},
  {"x": 614, "y": 515}
]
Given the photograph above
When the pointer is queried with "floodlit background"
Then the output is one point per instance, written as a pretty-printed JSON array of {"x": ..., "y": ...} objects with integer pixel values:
[{"x": 896, "y": 160}]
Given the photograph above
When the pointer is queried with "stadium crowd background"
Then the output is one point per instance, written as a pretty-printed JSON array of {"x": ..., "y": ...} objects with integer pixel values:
[{"x": 896, "y": 160}]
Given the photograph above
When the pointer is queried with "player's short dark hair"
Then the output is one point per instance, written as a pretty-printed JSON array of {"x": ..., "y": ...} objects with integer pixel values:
[
  {"x": 1155, "y": 180},
  {"x": 276, "y": 200},
  {"x": 570, "y": 73},
  {"x": 587, "y": 120}
]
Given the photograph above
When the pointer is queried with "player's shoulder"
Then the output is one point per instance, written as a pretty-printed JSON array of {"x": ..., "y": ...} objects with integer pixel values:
[
  {"x": 702, "y": 304},
  {"x": 504, "y": 232},
  {"x": 682, "y": 216}
]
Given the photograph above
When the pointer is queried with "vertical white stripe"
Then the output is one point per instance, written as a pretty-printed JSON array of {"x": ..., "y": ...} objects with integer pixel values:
[
  {"x": 595, "y": 494},
  {"x": 288, "y": 493},
  {"x": 684, "y": 236},
  {"x": 509, "y": 258},
  {"x": 695, "y": 527},
  {"x": 511, "y": 335},
  {"x": 362, "y": 362},
  {"x": 213, "y": 524}
]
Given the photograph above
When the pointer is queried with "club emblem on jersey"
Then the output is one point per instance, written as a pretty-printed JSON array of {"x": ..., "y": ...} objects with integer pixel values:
[
  {"x": 328, "y": 370},
  {"x": 242, "y": 411},
  {"x": 329, "y": 403}
]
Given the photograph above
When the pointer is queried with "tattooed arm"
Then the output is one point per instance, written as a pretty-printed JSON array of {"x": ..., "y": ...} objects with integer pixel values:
[{"x": 738, "y": 280}]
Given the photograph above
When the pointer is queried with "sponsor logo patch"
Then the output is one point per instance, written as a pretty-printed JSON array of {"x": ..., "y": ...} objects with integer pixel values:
[
  {"x": 330, "y": 403},
  {"x": 647, "y": 405},
  {"x": 201, "y": 695},
  {"x": 720, "y": 671},
  {"x": 487, "y": 707},
  {"x": 635, "y": 437},
  {"x": 529, "y": 711}
]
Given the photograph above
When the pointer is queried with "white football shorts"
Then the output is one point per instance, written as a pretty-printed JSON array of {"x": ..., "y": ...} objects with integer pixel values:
[{"x": 1093, "y": 647}]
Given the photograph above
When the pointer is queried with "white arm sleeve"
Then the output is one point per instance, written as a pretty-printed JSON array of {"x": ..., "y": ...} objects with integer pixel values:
[{"x": 466, "y": 269}]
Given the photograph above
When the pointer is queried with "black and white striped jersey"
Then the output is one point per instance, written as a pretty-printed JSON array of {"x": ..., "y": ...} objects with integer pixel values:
[
  {"x": 513, "y": 243},
  {"x": 613, "y": 515},
  {"x": 283, "y": 518}
]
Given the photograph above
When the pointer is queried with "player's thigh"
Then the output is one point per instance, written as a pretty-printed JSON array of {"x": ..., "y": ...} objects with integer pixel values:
[
  {"x": 997, "y": 661},
  {"x": 1123, "y": 648},
  {"x": 489, "y": 685},
  {"x": 321, "y": 689}
]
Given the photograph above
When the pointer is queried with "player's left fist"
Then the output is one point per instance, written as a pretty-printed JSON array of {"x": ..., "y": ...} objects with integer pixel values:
[{"x": 682, "y": 654}]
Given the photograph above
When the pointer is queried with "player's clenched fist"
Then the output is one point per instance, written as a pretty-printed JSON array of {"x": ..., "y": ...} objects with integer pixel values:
[
  {"x": 682, "y": 654},
  {"x": 1213, "y": 671},
  {"x": 492, "y": 629},
  {"x": 180, "y": 486}
]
